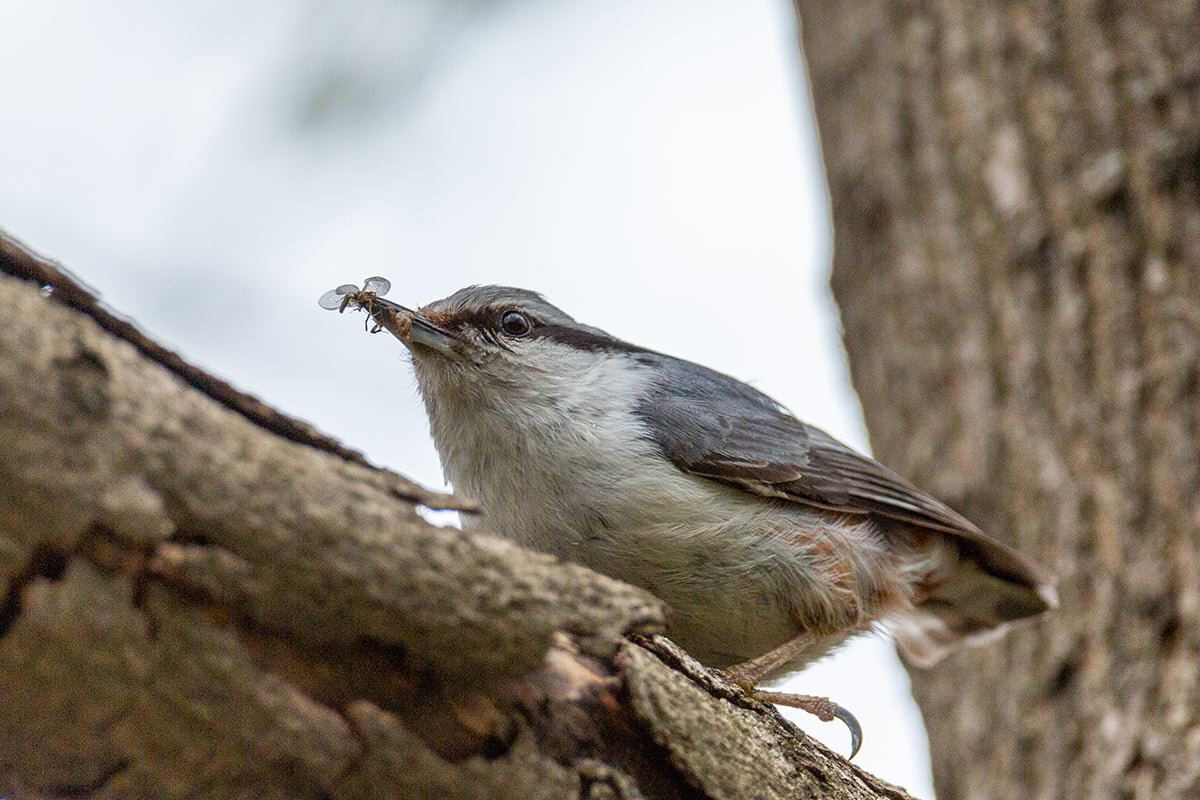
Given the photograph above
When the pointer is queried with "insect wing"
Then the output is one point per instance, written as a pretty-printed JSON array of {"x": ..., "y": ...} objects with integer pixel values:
[
  {"x": 331, "y": 300},
  {"x": 377, "y": 284}
]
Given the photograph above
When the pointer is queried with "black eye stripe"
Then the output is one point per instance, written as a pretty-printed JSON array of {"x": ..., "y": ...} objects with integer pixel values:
[{"x": 490, "y": 324}]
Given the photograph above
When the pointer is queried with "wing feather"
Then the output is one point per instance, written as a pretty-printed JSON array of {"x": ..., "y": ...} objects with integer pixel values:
[{"x": 715, "y": 426}]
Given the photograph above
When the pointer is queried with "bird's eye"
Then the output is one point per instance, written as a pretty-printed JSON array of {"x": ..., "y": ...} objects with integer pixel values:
[{"x": 514, "y": 323}]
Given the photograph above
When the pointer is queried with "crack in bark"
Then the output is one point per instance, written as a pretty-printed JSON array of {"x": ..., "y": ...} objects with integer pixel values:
[
  {"x": 708, "y": 679},
  {"x": 354, "y": 762},
  {"x": 598, "y": 781},
  {"x": 48, "y": 562},
  {"x": 95, "y": 785}
]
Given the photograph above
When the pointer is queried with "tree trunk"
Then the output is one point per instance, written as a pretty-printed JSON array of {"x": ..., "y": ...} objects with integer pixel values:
[
  {"x": 204, "y": 598},
  {"x": 1016, "y": 200}
]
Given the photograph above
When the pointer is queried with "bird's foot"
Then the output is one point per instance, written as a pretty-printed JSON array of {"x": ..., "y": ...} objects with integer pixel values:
[
  {"x": 750, "y": 673},
  {"x": 822, "y": 708}
]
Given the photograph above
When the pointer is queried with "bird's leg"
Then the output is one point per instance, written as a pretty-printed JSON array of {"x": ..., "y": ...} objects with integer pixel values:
[{"x": 750, "y": 673}]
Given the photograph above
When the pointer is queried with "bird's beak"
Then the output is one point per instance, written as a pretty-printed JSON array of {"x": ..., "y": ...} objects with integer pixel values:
[{"x": 413, "y": 328}]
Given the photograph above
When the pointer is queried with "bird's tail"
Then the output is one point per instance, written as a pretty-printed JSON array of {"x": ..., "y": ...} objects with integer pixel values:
[{"x": 970, "y": 589}]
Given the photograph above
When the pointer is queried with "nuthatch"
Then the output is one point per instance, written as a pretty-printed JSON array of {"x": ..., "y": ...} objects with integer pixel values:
[{"x": 771, "y": 541}]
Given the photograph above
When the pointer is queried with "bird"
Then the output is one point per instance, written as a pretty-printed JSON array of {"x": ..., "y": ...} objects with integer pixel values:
[{"x": 770, "y": 541}]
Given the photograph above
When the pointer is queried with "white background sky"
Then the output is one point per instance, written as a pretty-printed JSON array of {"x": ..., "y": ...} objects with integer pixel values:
[{"x": 213, "y": 167}]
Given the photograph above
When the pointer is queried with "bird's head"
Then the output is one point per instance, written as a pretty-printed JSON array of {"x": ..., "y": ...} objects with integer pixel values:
[{"x": 500, "y": 341}]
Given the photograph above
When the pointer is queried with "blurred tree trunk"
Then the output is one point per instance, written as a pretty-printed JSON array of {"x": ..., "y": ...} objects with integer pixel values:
[{"x": 1016, "y": 199}]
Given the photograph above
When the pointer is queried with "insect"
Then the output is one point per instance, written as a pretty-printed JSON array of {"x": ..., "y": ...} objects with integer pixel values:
[
  {"x": 367, "y": 298},
  {"x": 348, "y": 294}
]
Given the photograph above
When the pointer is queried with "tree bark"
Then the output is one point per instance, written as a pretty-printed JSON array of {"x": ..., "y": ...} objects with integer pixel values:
[
  {"x": 1016, "y": 205},
  {"x": 205, "y": 598}
]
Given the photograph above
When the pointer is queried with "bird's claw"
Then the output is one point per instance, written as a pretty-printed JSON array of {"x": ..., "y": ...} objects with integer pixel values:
[
  {"x": 822, "y": 708},
  {"x": 851, "y": 723}
]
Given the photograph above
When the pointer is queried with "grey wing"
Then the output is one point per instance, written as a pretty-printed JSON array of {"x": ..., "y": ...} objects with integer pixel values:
[
  {"x": 712, "y": 425},
  {"x": 715, "y": 426}
]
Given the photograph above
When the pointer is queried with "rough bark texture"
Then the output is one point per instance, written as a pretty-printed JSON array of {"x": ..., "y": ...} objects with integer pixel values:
[
  {"x": 206, "y": 599},
  {"x": 1016, "y": 200}
]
